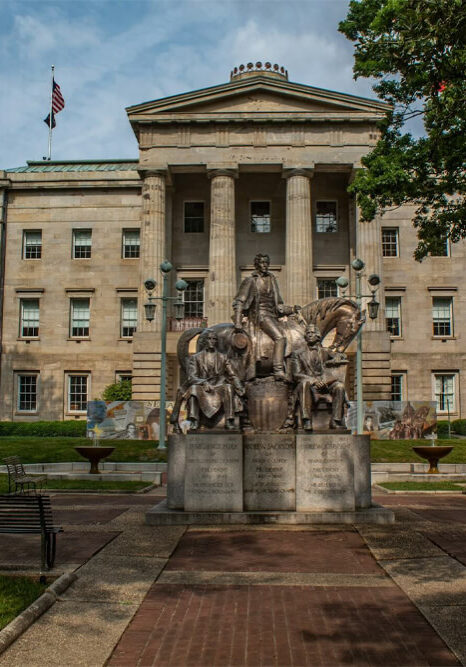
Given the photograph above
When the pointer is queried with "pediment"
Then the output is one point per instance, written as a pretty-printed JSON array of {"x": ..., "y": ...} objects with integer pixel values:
[
  {"x": 263, "y": 101},
  {"x": 256, "y": 96}
]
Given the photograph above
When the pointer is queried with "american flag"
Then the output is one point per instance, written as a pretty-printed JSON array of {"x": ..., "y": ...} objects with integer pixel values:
[{"x": 58, "y": 103}]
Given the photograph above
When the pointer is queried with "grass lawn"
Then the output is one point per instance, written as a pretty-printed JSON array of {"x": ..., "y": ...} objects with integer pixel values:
[
  {"x": 400, "y": 451},
  {"x": 84, "y": 485},
  {"x": 421, "y": 486},
  {"x": 58, "y": 450},
  {"x": 17, "y": 593}
]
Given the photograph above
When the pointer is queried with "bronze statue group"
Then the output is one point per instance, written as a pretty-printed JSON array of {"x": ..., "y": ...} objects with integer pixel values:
[{"x": 261, "y": 343}]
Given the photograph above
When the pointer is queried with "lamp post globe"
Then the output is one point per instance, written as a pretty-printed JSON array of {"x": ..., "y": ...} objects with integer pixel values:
[
  {"x": 166, "y": 266},
  {"x": 342, "y": 282},
  {"x": 373, "y": 280},
  {"x": 181, "y": 285},
  {"x": 357, "y": 264}
]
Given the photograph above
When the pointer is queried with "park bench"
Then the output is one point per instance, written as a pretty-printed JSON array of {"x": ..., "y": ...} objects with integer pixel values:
[
  {"x": 33, "y": 515},
  {"x": 18, "y": 480}
]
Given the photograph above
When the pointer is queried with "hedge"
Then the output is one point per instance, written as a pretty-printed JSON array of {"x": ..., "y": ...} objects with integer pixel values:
[
  {"x": 70, "y": 429},
  {"x": 459, "y": 426},
  {"x": 442, "y": 429}
]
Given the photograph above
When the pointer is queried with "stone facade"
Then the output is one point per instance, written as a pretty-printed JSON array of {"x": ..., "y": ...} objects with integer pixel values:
[{"x": 256, "y": 164}]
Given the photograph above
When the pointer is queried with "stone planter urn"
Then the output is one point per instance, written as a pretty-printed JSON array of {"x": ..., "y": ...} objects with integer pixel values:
[
  {"x": 432, "y": 453},
  {"x": 94, "y": 454}
]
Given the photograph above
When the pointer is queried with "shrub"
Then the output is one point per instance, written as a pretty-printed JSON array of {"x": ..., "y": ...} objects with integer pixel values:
[
  {"x": 459, "y": 426},
  {"x": 119, "y": 391},
  {"x": 442, "y": 429},
  {"x": 70, "y": 429}
]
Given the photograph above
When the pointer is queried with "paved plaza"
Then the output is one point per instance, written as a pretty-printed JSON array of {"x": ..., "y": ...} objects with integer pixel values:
[{"x": 252, "y": 595}]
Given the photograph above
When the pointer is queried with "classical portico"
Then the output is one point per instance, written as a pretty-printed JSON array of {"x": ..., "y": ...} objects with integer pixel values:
[{"x": 258, "y": 141}]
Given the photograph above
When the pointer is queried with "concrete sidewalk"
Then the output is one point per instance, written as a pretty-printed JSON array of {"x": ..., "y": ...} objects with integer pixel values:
[{"x": 305, "y": 595}]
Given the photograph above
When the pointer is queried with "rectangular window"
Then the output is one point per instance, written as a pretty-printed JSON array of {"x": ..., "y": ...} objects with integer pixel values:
[
  {"x": 390, "y": 242},
  {"x": 77, "y": 393},
  {"x": 80, "y": 317},
  {"x": 82, "y": 243},
  {"x": 326, "y": 287},
  {"x": 442, "y": 249},
  {"x": 129, "y": 317},
  {"x": 393, "y": 314},
  {"x": 397, "y": 387},
  {"x": 27, "y": 392},
  {"x": 260, "y": 217},
  {"x": 123, "y": 375},
  {"x": 445, "y": 393},
  {"x": 131, "y": 243},
  {"x": 442, "y": 319},
  {"x": 32, "y": 244},
  {"x": 194, "y": 217},
  {"x": 193, "y": 297},
  {"x": 326, "y": 216},
  {"x": 29, "y": 318}
]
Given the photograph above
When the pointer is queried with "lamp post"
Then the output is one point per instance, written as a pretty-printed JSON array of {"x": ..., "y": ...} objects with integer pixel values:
[
  {"x": 149, "y": 308},
  {"x": 373, "y": 309}
]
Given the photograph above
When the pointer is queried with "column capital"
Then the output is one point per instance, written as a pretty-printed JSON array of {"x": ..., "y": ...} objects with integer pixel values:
[
  {"x": 288, "y": 172},
  {"x": 163, "y": 171},
  {"x": 214, "y": 170}
]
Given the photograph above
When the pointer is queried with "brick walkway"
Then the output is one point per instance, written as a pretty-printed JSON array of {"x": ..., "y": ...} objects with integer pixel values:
[
  {"x": 364, "y": 620},
  {"x": 254, "y": 596}
]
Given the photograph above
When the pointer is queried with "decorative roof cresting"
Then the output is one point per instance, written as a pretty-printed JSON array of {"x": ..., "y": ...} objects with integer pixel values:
[{"x": 251, "y": 69}]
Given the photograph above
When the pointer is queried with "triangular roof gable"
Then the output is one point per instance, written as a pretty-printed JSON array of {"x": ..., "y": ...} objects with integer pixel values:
[{"x": 254, "y": 94}]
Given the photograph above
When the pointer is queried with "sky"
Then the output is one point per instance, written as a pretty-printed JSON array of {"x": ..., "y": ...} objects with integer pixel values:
[{"x": 111, "y": 54}]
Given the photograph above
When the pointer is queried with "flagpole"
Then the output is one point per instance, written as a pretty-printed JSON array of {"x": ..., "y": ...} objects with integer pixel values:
[{"x": 50, "y": 115}]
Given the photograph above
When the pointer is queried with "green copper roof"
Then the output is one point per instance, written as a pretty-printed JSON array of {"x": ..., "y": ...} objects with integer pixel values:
[{"x": 75, "y": 165}]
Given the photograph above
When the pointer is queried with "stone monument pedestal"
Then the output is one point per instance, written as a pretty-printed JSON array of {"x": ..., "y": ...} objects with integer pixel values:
[{"x": 230, "y": 478}]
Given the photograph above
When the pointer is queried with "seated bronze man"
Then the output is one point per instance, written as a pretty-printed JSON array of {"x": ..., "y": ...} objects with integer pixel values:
[
  {"x": 311, "y": 371},
  {"x": 211, "y": 385}
]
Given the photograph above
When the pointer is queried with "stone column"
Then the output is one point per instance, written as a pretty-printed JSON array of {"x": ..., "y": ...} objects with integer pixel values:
[
  {"x": 146, "y": 341},
  {"x": 369, "y": 249},
  {"x": 153, "y": 242},
  {"x": 298, "y": 289},
  {"x": 376, "y": 343},
  {"x": 221, "y": 282}
]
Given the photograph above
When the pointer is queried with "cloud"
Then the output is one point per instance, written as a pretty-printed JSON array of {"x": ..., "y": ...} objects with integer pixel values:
[{"x": 110, "y": 55}]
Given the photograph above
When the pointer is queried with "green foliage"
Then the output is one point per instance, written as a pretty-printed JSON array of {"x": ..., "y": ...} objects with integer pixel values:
[
  {"x": 421, "y": 486},
  {"x": 119, "y": 391},
  {"x": 70, "y": 429},
  {"x": 459, "y": 426},
  {"x": 415, "y": 48},
  {"x": 17, "y": 593},
  {"x": 58, "y": 450},
  {"x": 401, "y": 451},
  {"x": 442, "y": 429}
]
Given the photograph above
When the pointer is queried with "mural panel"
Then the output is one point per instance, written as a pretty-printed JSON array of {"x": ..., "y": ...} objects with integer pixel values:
[
  {"x": 395, "y": 420},
  {"x": 125, "y": 420}
]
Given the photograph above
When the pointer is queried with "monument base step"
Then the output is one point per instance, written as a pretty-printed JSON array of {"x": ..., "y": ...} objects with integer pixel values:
[{"x": 160, "y": 515}]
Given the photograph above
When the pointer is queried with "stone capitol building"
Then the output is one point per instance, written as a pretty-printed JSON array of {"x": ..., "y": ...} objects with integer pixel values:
[{"x": 258, "y": 164}]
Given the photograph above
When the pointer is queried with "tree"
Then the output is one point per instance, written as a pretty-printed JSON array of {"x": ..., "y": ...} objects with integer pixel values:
[
  {"x": 416, "y": 51},
  {"x": 119, "y": 391}
]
